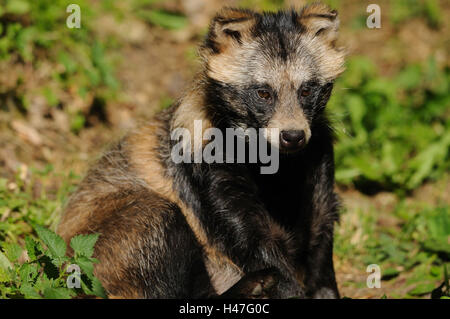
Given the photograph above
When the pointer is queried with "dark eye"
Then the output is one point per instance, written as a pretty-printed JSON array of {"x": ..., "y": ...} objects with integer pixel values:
[
  {"x": 305, "y": 92},
  {"x": 265, "y": 95}
]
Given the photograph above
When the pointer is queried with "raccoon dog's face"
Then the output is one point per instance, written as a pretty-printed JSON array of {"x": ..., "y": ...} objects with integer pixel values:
[{"x": 272, "y": 70}]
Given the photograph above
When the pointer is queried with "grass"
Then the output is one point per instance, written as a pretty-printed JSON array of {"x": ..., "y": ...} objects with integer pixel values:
[
  {"x": 34, "y": 33},
  {"x": 409, "y": 243},
  {"x": 377, "y": 149},
  {"x": 33, "y": 260},
  {"x": 393, "y": 140}
]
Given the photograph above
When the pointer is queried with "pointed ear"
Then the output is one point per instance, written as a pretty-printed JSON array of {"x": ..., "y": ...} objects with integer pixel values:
[
  {"x": 229, "y": 26},
  {"x": 320, "y": 21}
]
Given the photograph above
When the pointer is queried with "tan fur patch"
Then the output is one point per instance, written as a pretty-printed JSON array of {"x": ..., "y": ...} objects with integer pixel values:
[
  {"x": 242, "y": 63},
  {"x": 288, "y": 116},
  {"x": 222, "y": 271},
  {"x": 190, "y": 110},
  {"x": 322, "y": 26},
  {"x": 123, "y": 239},
  {"x": 102, "y": 179},
  {"x": 75, "y": 218},
  {"x": 329, "y": 60},
  {"x": 121, "y": 229},
  {"x": 145, "y": 161},
  {"x": 317, "y": 9},
  {"x": 227, "y": 66},
  {"x": 144, "y": 158},
  {"x": 229, "y": 21},
  {"x": 290, "y": 120},
  {"x": 229, "y": 13},
  {"x": 231, "y": 65}
]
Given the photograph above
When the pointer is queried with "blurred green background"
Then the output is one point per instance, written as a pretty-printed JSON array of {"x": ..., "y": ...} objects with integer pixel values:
[{"x": 66, "y": 93}]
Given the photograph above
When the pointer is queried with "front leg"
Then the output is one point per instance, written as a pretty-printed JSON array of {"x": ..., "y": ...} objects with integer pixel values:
[
  {"x": 321, "y": 281},
  {"x": 237, "y": 224},
  {"x": 261, "y": 284},
  {"x": 320, "y": 277}
]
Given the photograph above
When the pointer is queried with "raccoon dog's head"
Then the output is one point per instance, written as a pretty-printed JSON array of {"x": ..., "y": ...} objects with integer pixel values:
[{"x": 272, "y": 70}]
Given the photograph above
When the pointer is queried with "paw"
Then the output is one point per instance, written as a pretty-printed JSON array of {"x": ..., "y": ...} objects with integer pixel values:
[
  {"x": 254, "y": 285},
  {"x": 325, "y": 293},
  {"x": 264, "y": 284}
]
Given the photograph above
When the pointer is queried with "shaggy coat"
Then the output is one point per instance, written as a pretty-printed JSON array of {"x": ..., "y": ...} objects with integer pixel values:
[{"x": 195, "y": 230}]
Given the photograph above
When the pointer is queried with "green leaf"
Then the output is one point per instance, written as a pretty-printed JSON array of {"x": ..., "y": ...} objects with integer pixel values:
[
  {"x": 55, "y": 243},
  {"x": 165, "y": 19},
  {"x": 93, "y": 287},
  {"x": 86, "y": 265},
  {"x": 77, "y": 122},
  {"x": 437, "y": 245},
  {"x": 357, "y": 110},
  {"x": 58, "y": 293},
  {"x": 33, "y": 247},
  {"x": 83, "y": 245},
  {"x": 12, "y": 251},
  {"x": 3, "y": 184},
  {"x": 29, "y": 292},
  {"x": 421, "y": 289},
  {"x": 424, "y": 162},
  {"x": 98, "y": 289},
  {"x": 4, "y": 262},
  {"x": 51, "y": 270},
  {"x": 17, "y": 7},
  {"x": 4, "y": 275},
  {"x": 390, "y": 273},
  {"x": 28, "y": 272},
  {"x": 433, "y": 13}
]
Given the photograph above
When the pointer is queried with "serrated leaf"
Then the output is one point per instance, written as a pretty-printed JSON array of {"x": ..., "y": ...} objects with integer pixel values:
[
  {"x": 83, "y": 245},
  {"x": 50, "y": 269},
  {"x": 28, "y": 272},
  {"x": 4, "y": 275},
  {"x": 92, "y": 287},
  {"x": 12, "y": 251},
  {"x": 98, "y": 289},
  {"x": 54, "y": 242},
  {"x": 86, "y": 266},
  {"x": 34, "y": 248},
  {"x": 29, "y": 292},
  {"x": 58, "y": 293},
  {"x": 4, "y": 262}
]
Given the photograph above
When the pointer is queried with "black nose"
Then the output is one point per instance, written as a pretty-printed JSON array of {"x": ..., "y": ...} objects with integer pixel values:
[{"x": 291, "y": 140}]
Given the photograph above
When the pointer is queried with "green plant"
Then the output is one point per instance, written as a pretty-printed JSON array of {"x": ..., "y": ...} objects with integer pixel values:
[
  {"x": 443, "y": 291},
  {"x": 413, "y": 250},
  {"x": 394, "y": 132},
  {"x": 44, "y": 274},
  {"x": 74, "y": 61},
  {"x": 266, "y": 5},
  {"x": 33, "y": 259},
  {"x": 402, "y": 10},
  {"x": 150, "y": 11}
]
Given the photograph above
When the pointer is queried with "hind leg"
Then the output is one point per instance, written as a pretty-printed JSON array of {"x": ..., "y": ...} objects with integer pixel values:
[{"x": 146, "y": 249}]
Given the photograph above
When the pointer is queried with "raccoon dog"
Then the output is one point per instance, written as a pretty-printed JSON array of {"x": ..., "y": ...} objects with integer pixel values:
[{"x": 200, "y": 230}]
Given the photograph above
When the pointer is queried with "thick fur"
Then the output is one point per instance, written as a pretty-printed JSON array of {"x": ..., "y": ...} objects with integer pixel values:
[{"x": 203, "y": 230}]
